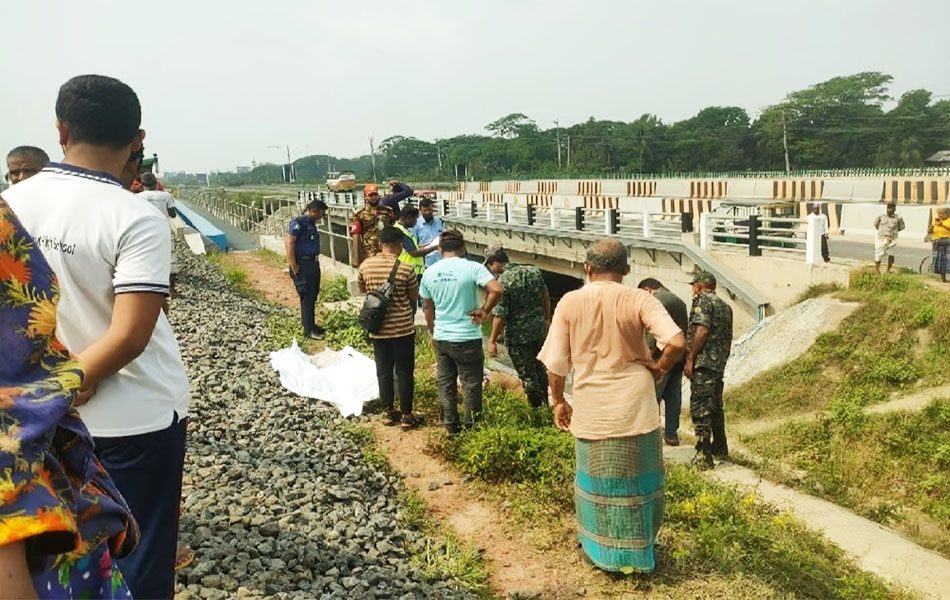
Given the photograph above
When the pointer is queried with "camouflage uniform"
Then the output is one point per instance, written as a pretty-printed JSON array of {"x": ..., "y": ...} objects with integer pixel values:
[
  {"x": 705, "y": 405},
  {"x": 522, "y": 307},
  {"x": 371, "y": 220}
]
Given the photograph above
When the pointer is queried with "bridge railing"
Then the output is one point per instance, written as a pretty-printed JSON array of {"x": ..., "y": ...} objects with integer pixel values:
[{"x": 754, "y": 232}]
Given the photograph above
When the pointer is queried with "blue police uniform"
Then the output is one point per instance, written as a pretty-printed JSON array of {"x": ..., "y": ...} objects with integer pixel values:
[{"x": 307, "y": 281}]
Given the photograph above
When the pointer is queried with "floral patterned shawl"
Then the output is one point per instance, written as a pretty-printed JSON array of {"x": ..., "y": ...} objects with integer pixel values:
[{"x": 54, "y": 493}]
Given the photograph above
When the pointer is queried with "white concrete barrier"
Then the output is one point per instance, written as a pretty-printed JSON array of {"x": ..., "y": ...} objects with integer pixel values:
[
  {"x": 838, "y": 189},
  {"x": 741, "y": 188},
  {"x": 613, "y": 187},
  {"x": 859, "y": 219},
  {"x": 672, "y": 188}
]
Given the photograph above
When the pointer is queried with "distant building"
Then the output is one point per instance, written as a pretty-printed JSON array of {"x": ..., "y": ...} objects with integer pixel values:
[
  {"x": 242, "y": 169},
  {"x": 940, "y": 159}
]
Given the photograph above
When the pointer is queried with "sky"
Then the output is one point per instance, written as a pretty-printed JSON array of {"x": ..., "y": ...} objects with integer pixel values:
[{"x": 220, "y": 82}]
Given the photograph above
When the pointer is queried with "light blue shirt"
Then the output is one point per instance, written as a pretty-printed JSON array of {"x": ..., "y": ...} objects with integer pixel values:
[
  {"x": 425, "y": 233},
  {"x": 452, "y": 285}
]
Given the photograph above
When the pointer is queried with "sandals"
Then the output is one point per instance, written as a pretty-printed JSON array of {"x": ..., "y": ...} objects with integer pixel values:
[
  {"x": 407, "y": 422},
  {"x": 390, "y": 418}
]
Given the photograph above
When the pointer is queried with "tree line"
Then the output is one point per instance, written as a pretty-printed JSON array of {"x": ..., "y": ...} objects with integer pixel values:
[{"x": 836, "y": 124}]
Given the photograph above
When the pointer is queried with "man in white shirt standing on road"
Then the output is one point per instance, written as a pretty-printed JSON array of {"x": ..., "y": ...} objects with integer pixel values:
[
  {"x": 111, "y": 255},
  {"x": 165, "y": 203},
  {"x": 821, "y": 229}
]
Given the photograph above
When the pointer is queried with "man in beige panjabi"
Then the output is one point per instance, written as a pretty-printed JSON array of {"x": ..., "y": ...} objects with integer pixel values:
[{"x": 598, "y": 331}]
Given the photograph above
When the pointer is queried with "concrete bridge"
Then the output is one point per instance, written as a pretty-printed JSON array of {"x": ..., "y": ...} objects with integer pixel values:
[{"x": 672, "y": 227}]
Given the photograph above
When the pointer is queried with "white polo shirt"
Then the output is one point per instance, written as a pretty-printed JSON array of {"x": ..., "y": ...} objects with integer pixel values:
[
  {"x": 101, "y": 242},
  {"x": 163, "y": 201}
]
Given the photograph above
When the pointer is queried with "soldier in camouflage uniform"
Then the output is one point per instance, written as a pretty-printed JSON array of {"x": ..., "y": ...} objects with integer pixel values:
[
  {"x": 367, "y": 222},
  {"x": 708, "y": 342},
  {"x": 526, "y": 311}
]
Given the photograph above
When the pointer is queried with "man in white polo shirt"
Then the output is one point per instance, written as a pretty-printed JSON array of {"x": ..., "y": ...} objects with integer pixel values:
[
  {"x": 165, "y": 203},
  {"x": 111, "y": 255}
]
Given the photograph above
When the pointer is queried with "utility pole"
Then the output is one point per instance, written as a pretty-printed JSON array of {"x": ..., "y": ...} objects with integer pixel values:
[
  {"x": 372, "y": 154},
  {"x": 438, "y": 153},
  {"x": 568, "y": 151},
  {"x": 557, "y": 130},
  {"x": 785, "y": 143}
]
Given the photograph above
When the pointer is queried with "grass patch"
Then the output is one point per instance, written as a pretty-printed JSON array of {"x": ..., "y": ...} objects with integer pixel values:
[
  {"x": 236, "y": 276},
  {"x": 334, "y": 288},
  {"x": 440, "y": 556},
  {"x": 897, "y": 339},
  {"x": 711, "y": 531},
  {"x": 892, "y": 468},
  {"x": 818, "y": 289},
  {"x": 343, "y": 329},
  {"x": 271, "y": 258}
]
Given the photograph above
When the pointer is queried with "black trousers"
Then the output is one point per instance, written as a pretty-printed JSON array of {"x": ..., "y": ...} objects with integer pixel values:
[
  {"x": 824, "y": 249},
  {"x": 307, "y": 284},
  {"x": 396, "y": 355},
  {"x": 147, "y": 469}
]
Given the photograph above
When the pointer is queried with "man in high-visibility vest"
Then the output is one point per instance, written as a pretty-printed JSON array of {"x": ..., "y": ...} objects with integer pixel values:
[{"x": 412, "y": 254}]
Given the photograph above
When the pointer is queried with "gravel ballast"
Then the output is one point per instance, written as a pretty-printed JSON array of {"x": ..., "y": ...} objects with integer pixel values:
[{"x": 278, "y": 501}]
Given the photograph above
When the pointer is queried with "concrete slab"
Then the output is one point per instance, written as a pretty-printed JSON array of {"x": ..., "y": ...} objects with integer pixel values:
[
  {"x": 742, "y": 188},
  {"x": 672, "y": 188},
  {"x": 874, "y": 548}
]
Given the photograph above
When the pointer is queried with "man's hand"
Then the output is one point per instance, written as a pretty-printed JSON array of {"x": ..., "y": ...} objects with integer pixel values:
[
  {"x": 294, "y": 268},
  {"x": 562, "y": 416},
  {"x": 688, "y": 369},
  {"x": 84, "y": 395},
  {"x": 492, "y": 348},
  {"x": 478, "y": 316},
  {"x": 654, "y": 368}
]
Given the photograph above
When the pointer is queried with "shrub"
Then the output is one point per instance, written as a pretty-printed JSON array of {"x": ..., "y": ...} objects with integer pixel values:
[
  {"x": 508, "y": 453},
  {"x": 343, "y": 329},
  {"x": 334, "y": 288}
]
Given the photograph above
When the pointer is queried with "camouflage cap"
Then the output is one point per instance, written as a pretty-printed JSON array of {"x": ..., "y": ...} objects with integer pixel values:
[
  {"x": 703, "y": 277},
  {"x": 495, "y": 253}
]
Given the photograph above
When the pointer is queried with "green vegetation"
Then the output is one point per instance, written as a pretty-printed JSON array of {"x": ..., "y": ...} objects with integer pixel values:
[
  {"x": 443, "y": 557},
  {"x": 711, "y": 531},
  {"x": 236, "y": 276},
  {"x": 271, "y": 258},
  {"x": 898, "y": 338},
  {"x": 818, "y": 289},
  {"x": 838, "y": 123},
  {"x": 892, "y": 468},
  {"x": 334, "y": 288},
  {"x": 343, "y": 329}
]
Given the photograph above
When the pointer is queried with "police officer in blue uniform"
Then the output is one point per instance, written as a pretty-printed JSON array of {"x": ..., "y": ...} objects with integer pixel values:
[{"x": 303, "y": 255}]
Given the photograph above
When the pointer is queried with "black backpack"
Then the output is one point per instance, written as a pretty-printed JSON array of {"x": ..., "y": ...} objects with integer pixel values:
[{"x": 373, "y": 312}]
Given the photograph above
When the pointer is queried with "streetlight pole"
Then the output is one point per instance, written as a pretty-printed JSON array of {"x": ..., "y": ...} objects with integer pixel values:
[{"x": 372, "y": 154}]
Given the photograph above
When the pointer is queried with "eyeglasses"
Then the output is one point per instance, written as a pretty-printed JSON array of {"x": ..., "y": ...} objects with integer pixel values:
[{"x": 20, "y": 173}]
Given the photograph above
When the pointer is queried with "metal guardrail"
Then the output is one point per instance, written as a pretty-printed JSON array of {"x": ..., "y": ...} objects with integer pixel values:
[
  {"x": 656, "y": 230},
  {"x": 867, "y": 172}
]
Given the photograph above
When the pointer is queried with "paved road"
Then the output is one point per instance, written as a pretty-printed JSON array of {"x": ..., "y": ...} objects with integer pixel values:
[{"x": 908, "y": 256}]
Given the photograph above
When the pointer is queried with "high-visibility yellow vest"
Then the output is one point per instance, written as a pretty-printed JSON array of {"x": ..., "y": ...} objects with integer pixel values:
[{"x": 418, "y": 263}]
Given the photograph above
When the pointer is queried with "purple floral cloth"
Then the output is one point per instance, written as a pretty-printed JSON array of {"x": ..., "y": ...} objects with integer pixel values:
[{"x": 54, "y": 494}]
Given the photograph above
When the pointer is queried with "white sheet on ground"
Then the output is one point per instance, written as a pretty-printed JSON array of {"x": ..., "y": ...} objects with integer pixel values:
[{"x": 346, "y": 379}]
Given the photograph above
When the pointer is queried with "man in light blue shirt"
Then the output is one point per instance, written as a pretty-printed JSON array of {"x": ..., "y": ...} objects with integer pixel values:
[
  {"x": 427, "y": 229},
  {"x": 449, "y": 290}
]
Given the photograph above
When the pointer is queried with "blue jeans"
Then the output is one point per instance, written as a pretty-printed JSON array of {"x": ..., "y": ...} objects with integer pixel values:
[
  {"x": 669, "y": 390},
  {"x": 147, "y": 469}
]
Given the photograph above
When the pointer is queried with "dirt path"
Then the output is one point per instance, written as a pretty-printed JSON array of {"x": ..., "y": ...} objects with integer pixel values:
[
  {"x": 523, "y": 561},
  {"x": 515, "y": 562}
]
